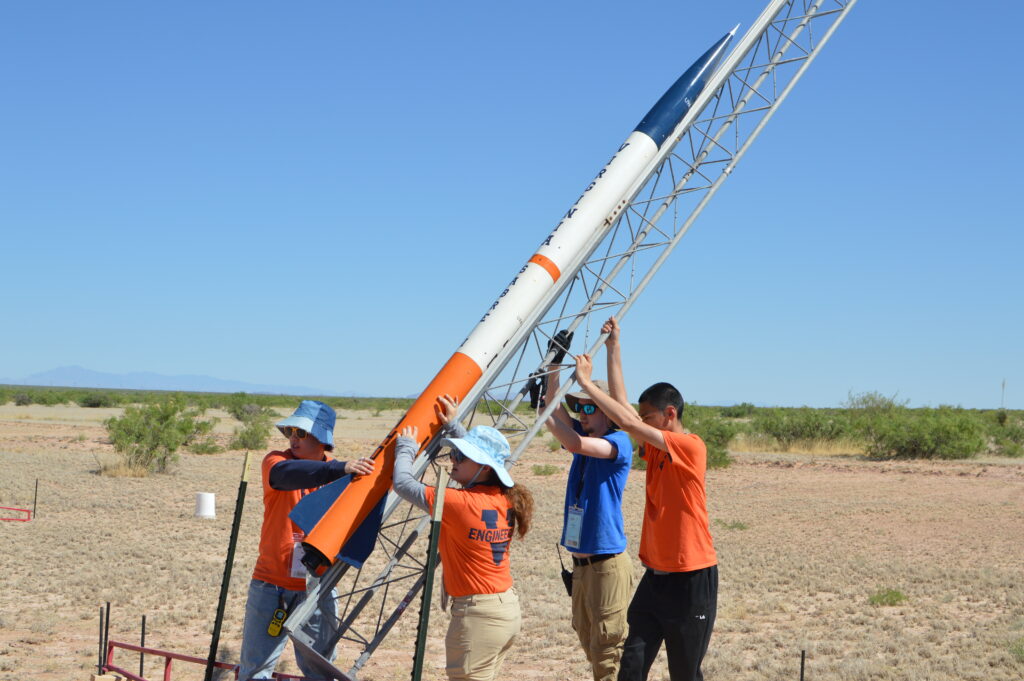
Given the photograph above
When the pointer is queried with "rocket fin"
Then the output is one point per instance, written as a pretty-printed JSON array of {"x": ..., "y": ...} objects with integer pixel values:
[
  {"x": 312, "y": 507},
  {"x": 359, "y": 546},
  {"x": 308, "y": 512}
]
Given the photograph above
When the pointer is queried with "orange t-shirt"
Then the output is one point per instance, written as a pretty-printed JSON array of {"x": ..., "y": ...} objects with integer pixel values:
[
  {"x": 279, "y": 535},
  {"x": 476, "y": 530},
  {"x": 675, "y": 535}
]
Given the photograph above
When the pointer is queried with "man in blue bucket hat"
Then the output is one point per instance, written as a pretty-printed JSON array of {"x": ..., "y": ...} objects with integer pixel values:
[{"x": 278, "y": 583}]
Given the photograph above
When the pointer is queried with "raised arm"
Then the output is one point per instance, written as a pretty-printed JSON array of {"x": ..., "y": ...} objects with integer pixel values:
[
  {"x": 597, "y": 447},
  {"x": 406, "y": 486},
  {"x": 616, "y": 382},
  {"x": 447, "y": 409},
  {"x": 561, "y": 426},
  {"x": 560, "y": 414},
  {"x": 623, "y": 415}
]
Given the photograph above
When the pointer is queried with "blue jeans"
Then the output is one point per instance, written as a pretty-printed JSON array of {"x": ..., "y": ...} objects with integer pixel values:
[{"x": 260, "y": 650}]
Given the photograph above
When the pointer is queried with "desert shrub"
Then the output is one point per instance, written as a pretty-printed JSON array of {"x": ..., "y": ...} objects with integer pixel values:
[
  {"x": 22, "y": 399},
  {"x": 544, "y": 469},
  {"x": 253, "y": 434},
  {"x": 788, "y": 426},
  {"x": 887, "y": 597},
  {"x": 247, "y": 408},
  {"x": 863, "y": 409},
  {"x": 943, "y": 433},
  {"x": 554, "y": 445},
  {"x": 1007, "y": 437},
  {"x": 738, "y": 411},
  {"x": 149, "y": 436},
  {"x": 97, "y": 399},
  {"x": 716, "y": 432},
  {"x": 47, "y": 399},
  {"x": 362, "y": 403},
  {"x": 873, "y": 401},
  {"x": 50, "y": 397},
  {"x": 203, "y": 401},
  {"x": 250, "y": 412},
  {"x": 256, "y": 415}
]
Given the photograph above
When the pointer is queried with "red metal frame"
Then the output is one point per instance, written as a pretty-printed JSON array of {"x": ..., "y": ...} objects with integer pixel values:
[
  {"x": 26, "y": 511},
  {"x": 169, "y": 657}
]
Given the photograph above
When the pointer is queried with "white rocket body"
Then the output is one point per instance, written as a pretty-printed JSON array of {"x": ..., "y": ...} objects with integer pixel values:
[{"x": 594, "y": 212}]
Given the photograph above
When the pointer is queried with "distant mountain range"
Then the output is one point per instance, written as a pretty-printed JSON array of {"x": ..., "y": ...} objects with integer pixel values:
[{"x": 79, "y": 377}]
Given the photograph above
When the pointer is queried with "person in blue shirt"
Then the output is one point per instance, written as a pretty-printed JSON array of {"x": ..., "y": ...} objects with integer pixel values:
[{"x": 602, "y": 577}]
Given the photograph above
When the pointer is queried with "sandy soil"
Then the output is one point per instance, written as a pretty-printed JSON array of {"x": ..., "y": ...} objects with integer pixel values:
[{"x": 803, "y": 543}]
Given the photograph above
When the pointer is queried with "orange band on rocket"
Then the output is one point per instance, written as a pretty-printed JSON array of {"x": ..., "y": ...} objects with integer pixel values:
[{"x": 548, "y": 265}]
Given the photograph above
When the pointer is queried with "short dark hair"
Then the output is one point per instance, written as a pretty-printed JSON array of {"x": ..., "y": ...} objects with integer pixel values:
[{"x": 663, "y": 395}]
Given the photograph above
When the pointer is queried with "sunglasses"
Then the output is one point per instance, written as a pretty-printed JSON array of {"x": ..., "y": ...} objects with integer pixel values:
[
  {"x": 454, "y": 454},
  {"x": 288, "y": 431},
  {"x": 588, "y": 409}
]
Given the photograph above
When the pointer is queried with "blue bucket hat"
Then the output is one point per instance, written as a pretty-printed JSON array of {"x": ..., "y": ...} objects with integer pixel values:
[
  {"x": 488, "y": 447},
  {"x": 314, "y": 417}
]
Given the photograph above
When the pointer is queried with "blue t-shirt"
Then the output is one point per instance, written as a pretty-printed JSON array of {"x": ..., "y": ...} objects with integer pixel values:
[{"x": 601, "y": 496}]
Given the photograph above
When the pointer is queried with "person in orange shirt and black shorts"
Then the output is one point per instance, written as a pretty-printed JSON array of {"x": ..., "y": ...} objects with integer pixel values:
[
  {"x": 677, "y": 598},
  {"x": 477, "y": 524}
]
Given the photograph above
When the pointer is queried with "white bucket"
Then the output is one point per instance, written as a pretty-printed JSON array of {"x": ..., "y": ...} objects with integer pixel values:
[{"x": 205, "y": 506}]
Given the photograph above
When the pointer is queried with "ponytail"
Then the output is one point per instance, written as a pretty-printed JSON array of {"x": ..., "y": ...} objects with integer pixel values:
[
  {"x": 522, "y": 508},
  {"x": 519, "y": 498}
]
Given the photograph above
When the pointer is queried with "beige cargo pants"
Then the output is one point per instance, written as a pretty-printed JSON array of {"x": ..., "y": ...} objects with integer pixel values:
[
  {"x": 480, "y": 634},
  {"x": 600, "y": 598}
]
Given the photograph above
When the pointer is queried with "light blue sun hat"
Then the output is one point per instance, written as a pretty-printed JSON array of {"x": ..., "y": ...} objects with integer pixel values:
[
  {"x": 488, "y": 447},
  {"x": 315, "y": 418}
]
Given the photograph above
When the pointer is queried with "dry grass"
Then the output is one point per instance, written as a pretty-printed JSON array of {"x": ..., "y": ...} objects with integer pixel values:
[
  {"x": 114, "y": 466},
  {"x": 758, "y": 442},
  {"x": 804, "y": 543}
]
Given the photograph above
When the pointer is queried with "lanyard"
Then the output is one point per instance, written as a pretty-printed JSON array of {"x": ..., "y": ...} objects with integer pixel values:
[{"x": 579, "y": 484}]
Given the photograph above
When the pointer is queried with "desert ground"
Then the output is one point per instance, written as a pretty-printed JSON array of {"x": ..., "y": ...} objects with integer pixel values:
[{"x": 804, "y": 542}]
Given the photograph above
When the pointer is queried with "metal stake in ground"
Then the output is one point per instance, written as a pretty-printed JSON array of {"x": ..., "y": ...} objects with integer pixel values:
[
  {"x": 106, "y": 632},
  {"x": 239, "y": 504},
  {"x": 99, "y": 656},
  {"x": 428, "y": 584},
  {"x": 142, "y": 644},
  {"x": 35, "y": 496}
]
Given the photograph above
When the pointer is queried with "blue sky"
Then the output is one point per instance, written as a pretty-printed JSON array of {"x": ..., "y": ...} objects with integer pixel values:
[{"x": 331, "y": 194}]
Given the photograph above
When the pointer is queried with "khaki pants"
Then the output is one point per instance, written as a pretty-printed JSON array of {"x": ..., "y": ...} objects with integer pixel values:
[
  {"x": 600, "y": 599},
  {"x": 480, "y": 634}
]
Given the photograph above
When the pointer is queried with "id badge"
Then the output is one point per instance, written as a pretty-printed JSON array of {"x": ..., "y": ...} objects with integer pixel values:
[
  {"x": 573, "y": 527},
  {"x": 298, "y": 569}
]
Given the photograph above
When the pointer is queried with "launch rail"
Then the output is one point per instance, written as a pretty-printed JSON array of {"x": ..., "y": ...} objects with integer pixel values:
[{"x": 700, "y": 155}]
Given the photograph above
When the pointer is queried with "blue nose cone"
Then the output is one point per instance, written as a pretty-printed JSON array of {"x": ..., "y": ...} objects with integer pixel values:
[{"x": 663, "y": 117}]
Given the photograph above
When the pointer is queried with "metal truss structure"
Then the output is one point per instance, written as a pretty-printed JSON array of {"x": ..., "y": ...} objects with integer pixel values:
[{"x": 739, "y": 100}]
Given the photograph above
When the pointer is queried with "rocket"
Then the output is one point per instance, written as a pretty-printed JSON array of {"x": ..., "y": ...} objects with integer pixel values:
[{"x": 588, "y": 219}]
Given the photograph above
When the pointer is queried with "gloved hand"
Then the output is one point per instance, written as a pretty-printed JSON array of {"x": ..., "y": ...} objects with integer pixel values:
[{"x": 560, "y": 344}]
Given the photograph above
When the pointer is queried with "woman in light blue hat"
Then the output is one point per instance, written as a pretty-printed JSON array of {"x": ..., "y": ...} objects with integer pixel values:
[
  {"x": 279, "y": 579},
  {"x": 477, "y": 525}
]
